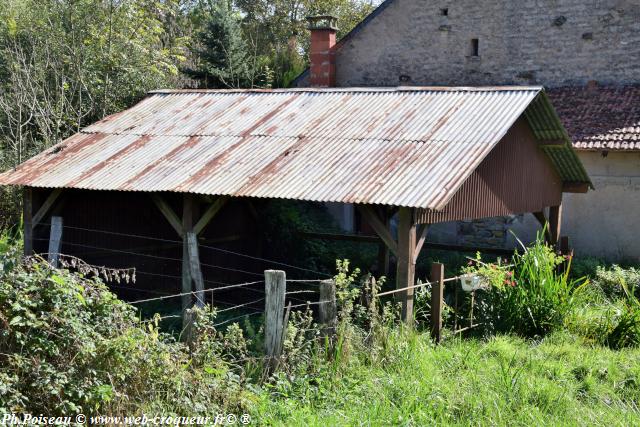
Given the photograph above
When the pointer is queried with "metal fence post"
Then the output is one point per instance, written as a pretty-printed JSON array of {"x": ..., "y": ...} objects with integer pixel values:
[{"x": 275, "y": 282}]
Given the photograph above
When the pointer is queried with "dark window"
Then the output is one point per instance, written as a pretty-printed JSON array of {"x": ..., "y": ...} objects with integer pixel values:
[
  {"x": 444, "y": 12},
  {"x": 475, "y": 47}
]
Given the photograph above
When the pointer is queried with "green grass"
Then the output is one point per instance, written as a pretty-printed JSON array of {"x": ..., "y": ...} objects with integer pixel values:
[{"x": 503, "y": 381}]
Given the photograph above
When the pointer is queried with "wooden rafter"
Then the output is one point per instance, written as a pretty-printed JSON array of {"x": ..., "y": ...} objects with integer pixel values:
[
  {"x": 168, "y": 213},
  {"x": 378, "y": 226},
  {"x": 210, "y": 214},
  {"x": 48, "y": 203},
  {"x": 421, "y": 238}
]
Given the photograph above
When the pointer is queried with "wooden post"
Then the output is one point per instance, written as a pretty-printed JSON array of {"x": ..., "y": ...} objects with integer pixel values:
[
  {"x": 55, "y": 240},
  {"x": 565, "y": 250},
  {"x": 327, "y": 310},
  {"x": 406, "y": 261},
  {"x": 275, "y": 285},
  {"x": 187, "y": 225},
  {"x": 383, "y": 250},
  {"x": 194, "y": 267},
  {"x": 27, "y": 219},
  {"x": 437, "y": 294},
  {"x": 187, "y": 327},
  {"x": 555, "y": 222}
]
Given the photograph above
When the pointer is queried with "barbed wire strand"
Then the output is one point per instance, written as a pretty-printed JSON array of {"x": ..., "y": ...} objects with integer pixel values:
[
  {"x": 240, "y": 306},
  {"x": 239, "y": 285},
  {"x": 201, "y": 246},
  {"x": 237, "y": 318}
]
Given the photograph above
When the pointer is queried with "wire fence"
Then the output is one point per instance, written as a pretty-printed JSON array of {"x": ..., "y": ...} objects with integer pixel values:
[
  {"x": 180, "y": 242},
  {"x": 295, "y": 296}
]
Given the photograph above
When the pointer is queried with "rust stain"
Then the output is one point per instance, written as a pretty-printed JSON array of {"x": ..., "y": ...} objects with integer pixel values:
[
  {"x": 130, "y": 148},
  {"x": 33, "y": 169},
  {"x": 263, "y": 175},
  {"x": 189, "y": 144},
  {"x": 219, "y": 159},
  {"x": 217, "y": 114},
  {"x": 444, "y": 118}
]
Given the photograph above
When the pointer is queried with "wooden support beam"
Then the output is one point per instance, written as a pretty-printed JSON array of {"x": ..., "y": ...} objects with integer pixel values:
[
  {"x": 55, "y": 240},
  {"x": 437, "y": 298},
  {"x": 186, "y": 227},
  {"x": 544, "y": 223},
  {"x": 541, "y": 217},
  {"x": 48, "y": 203},
  {"x": 194, "y": 265},
  {"x": 422, "y": 237},
  {"x": 210, "y": 214},
  {"x": 575, "y": 187},
  {"x": 429, "y": 245},
  {"x": 406, "y": 261},
  {"x": 555, "y": 222},
  {"x": 27, "y": 219},
  {"x": 378, "y": 226},
  {"x": 168, "y": 213},
  {"x": 383, "y": 250}
]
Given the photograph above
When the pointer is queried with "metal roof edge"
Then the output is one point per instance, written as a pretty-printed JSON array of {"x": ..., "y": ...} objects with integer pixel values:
[
  {"x": 540, "y": 111},
  {"x": 363, "y": 89}
]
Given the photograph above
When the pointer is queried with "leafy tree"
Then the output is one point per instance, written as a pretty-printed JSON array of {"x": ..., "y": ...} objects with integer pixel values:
[{"x": 223, "y": 57}]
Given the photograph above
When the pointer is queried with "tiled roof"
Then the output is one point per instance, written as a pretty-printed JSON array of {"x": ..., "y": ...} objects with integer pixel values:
[{"x": 600, "y": 117}]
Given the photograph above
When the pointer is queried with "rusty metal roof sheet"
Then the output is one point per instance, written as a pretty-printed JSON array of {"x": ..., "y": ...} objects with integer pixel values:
[{"x": 395, "y": 146}]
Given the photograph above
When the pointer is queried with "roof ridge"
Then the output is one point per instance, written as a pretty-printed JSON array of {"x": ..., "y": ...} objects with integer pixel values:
[{"x": 359, "y": 89}]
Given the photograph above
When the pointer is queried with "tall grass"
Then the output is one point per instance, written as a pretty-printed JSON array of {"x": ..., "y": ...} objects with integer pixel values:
[{"x": 541, "y": 294}]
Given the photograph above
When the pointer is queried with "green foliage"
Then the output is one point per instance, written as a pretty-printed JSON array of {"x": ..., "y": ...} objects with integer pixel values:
[
  {"x": 221, "y": 52},
  {"x": 504, "y": 381},
  {"x": 616, "y": 282},
  {"x": 69, "y": 345},
  {"x": 283, "y": 221},
  {"x": 532, "y": 297}
]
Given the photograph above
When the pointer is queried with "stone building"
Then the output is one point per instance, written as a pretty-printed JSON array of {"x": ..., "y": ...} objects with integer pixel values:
[{"x": 586, "y": 54}]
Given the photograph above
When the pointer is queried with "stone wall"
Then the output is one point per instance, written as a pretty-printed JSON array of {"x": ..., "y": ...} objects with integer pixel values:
[{"x": 547, "y": 42}]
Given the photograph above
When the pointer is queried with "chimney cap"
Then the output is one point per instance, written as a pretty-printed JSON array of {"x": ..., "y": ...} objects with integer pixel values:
[{"x": 322, "y": 22}]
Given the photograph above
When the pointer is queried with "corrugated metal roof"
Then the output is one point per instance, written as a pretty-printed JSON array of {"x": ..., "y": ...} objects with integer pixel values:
[{"x": 395, "y": 146}]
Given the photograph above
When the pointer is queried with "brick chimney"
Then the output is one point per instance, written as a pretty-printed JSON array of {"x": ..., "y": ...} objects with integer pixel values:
[{"x": 322, "y": 54}]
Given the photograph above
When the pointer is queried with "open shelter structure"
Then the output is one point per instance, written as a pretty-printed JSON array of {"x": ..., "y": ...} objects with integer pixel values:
[{"x": 427, "y": 154}]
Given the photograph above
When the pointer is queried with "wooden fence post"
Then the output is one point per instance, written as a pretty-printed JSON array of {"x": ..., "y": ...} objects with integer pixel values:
[
  {"x": 437, "y": 293},
  {"x": 55, "y": 240},
  {"x": 275, "y": 286},
  {"x": 194, "y": 264},
  {"x": 327, "y": 309}
]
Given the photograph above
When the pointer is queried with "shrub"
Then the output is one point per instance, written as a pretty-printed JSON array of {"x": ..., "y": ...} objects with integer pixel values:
[
  {"x": 617, "y": 282},
  {"x": 67, "y": 345},
  {"x": 531, "y": 297}
]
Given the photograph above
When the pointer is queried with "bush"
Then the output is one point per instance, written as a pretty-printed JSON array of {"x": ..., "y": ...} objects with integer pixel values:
[
  {"x": 69, "y": 345},
  {"x": 617, "y": 282},
  {"x": 531, "y": 297}
]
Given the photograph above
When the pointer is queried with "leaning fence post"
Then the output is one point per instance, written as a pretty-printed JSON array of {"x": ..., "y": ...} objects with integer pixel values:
[
  {"x": 55, "y": 240},
  {"x": 437, "y": 294},
  {"x": 275, "y": 286},
  {"x": 327, "y": 309}
]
